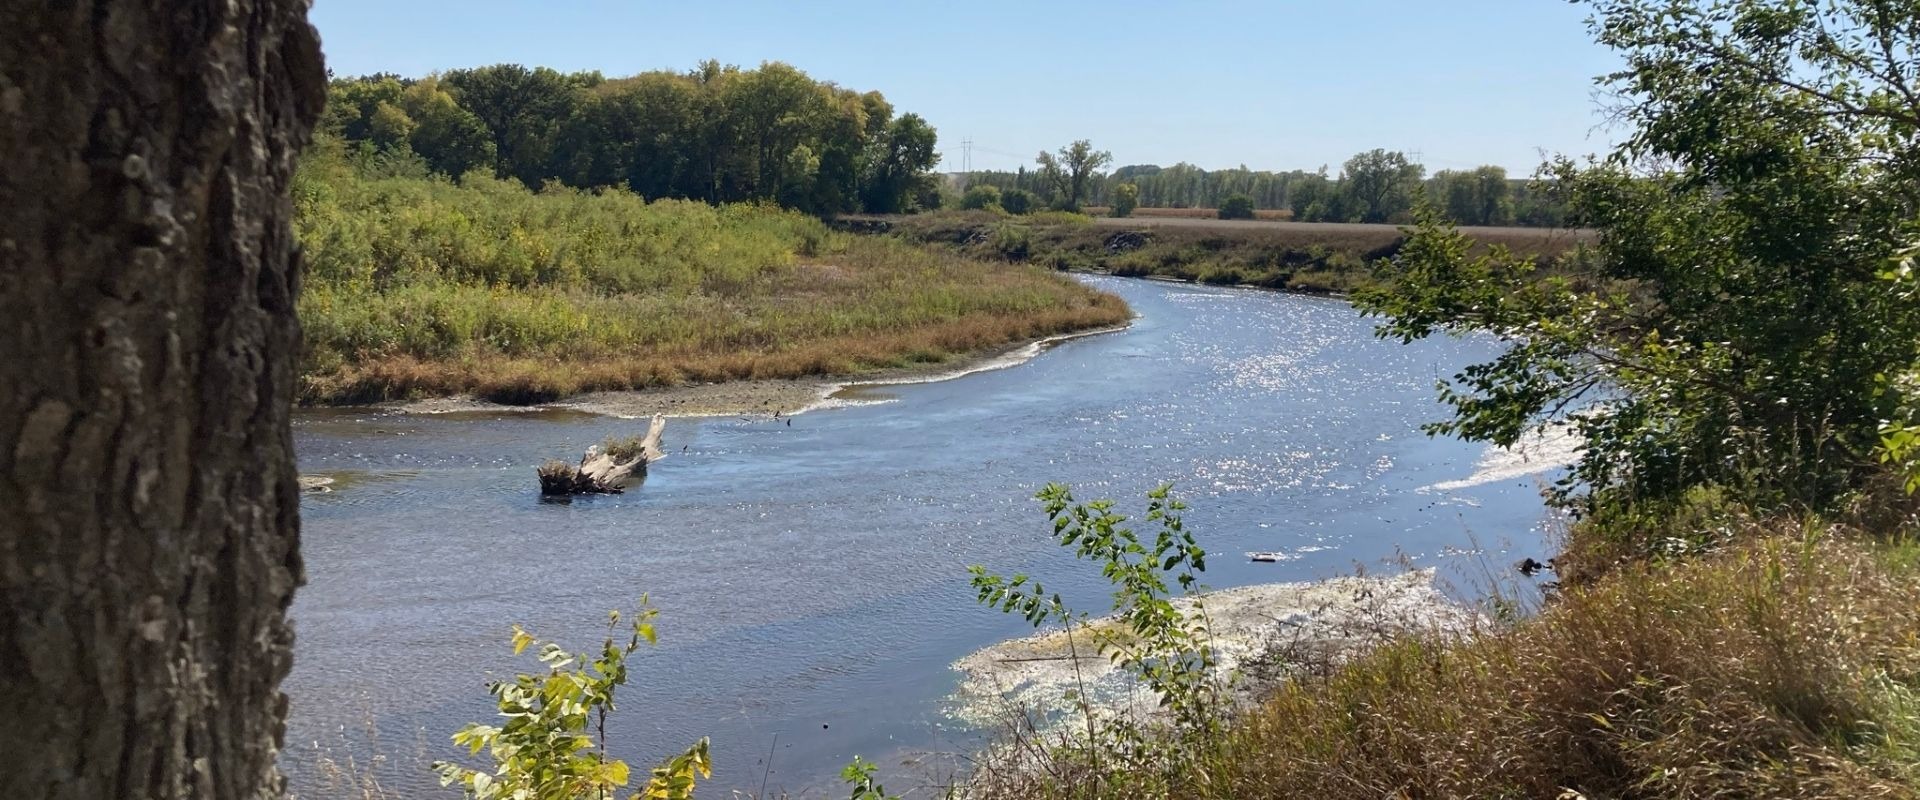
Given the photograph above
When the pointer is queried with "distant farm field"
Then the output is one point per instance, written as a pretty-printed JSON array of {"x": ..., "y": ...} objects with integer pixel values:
[
  {"x": 1191, "y": 213},
  {"x": 1353, "y": 234},
  {"x": 1316, "y": 257}
]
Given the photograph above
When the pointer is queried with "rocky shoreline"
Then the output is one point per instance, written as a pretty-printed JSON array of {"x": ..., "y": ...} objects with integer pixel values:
[{"x": 1260, "y": 632}]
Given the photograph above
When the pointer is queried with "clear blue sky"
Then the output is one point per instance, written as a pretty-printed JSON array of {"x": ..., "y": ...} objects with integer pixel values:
[{"x": 1274, "y": 85}]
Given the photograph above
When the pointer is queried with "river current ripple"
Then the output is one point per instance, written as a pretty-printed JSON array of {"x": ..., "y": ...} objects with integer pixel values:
[{"x": 812, "y": 576}]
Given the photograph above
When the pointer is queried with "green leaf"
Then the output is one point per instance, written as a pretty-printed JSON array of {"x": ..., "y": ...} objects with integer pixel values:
[{"x": 521, "y": 639}]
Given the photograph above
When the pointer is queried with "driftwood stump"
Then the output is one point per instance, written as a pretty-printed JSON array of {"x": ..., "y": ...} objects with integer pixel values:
[{"x": 604, "y": 473}]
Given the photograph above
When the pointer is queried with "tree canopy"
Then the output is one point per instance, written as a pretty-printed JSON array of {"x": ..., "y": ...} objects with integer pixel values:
[
  {"x": 1375, "y": 186},
  {"x": 1071, "y": 170},
  {"x": 1736, "y": 325},
  {"x": 716, "y": 133}
]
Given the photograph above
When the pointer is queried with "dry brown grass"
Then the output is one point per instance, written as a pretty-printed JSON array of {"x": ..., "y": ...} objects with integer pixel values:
[{"x": 1788, "y": 666}]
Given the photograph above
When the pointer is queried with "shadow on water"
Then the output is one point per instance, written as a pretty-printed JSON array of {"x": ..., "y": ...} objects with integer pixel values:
[{"x": 812, "y": 575}]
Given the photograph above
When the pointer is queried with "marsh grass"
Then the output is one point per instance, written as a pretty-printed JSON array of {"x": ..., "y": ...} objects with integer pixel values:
[{"x": 421, "y": 287}]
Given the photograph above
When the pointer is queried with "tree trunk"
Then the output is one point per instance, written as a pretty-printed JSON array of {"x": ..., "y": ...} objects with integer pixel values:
[{"x": 149, "y": 519}]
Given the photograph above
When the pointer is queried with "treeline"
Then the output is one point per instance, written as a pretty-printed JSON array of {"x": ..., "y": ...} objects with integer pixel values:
[
  {"x": 1375, "y": 186},
  {"x": 719, "y": 134}
]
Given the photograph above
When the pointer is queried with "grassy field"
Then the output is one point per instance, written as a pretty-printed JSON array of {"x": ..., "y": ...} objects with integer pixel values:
[
  {"x": 420, "y": 287},
  {"x": 1313, "y": 257},
  {"x": 1190, "y": 213}
]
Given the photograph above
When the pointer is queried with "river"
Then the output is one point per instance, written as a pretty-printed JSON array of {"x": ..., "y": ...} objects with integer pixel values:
[{"x": 811, "y": 573}]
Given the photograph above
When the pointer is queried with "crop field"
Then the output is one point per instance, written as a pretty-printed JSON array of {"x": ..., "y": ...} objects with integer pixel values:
[{"x": 1191, "y": 213}]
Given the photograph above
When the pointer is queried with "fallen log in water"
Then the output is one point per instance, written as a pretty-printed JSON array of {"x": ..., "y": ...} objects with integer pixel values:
[{"x": 604, "y": 472}]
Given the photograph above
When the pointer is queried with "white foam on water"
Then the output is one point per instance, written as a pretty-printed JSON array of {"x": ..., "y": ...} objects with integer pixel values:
[
  {"x": 1543, "y": 449},
  {"x": 1011, "y": 358},
  {"x": 830, "y": 402}
]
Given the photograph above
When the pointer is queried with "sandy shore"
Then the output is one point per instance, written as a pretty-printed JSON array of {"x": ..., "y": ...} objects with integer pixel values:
[
  {"x": 1257, "y": 630},
  {"x": 747, "y": 398}
]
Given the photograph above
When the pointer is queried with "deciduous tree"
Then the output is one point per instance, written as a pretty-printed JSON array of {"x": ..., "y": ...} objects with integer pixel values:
[
  {"x": 149, "y": 547},
  {"x": 522, "y": 109},
  {"x": 1379, "y": 185},
  {"x": 450, "y": 138},
  {"x": 1735, "y": 326},
  {"x": 900, "y": 159},
  {"x": 1069, "y": 171}
]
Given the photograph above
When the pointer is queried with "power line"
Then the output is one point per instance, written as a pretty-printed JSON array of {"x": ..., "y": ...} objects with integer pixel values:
[{"x": 993, "y": 152}]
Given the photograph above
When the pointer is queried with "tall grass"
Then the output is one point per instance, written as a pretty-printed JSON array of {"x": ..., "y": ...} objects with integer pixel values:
[
  {"x": 1787, "y": 665},
  {"x": 419, "y": 286}
]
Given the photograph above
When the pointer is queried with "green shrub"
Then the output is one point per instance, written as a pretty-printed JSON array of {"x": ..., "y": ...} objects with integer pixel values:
[
  {"x": 1017, "y": 201},
  {"x": 1237, "y": 206},
  {"x": 1169, "y": 651},
  {"x": 1126, "y": 197},
  {"x": 544, "y": 748},
  {"x": 980, "y": 198},
  {"x": 1013, "y": 242}
]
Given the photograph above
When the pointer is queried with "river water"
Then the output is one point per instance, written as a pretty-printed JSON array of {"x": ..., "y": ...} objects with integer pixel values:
[{"x": 812, "y": 573}]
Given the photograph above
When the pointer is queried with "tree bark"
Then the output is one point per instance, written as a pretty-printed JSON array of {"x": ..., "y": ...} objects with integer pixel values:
[{"x": 149, "y": 519}]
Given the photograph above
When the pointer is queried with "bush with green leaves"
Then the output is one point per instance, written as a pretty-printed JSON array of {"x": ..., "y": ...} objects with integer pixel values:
[
  {"x": 1013, "y": 242},
  {"x": 1238, "y": 206},
  {"x": 859, "y": 777},
  {"x": 1017, "y": 201},
  {"x": 1126, "y": 198},
  {"x": 981, "y": 198},
  {"x": 551, "y": 743},
  {"x": 1170, "y": 651}
]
